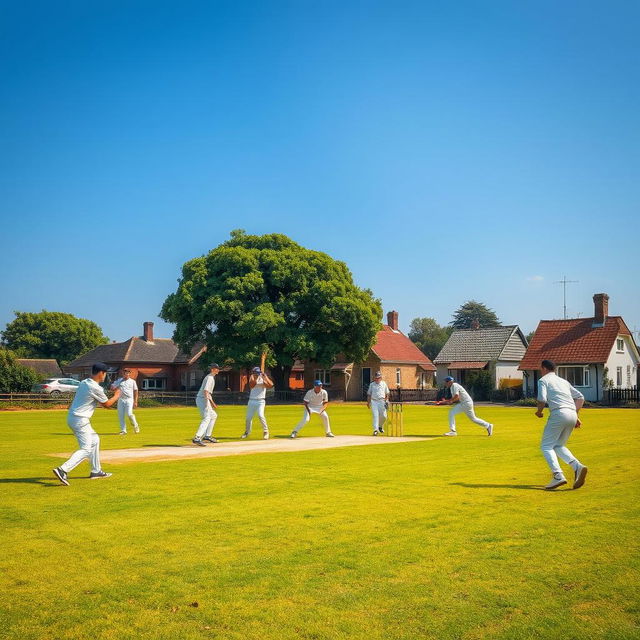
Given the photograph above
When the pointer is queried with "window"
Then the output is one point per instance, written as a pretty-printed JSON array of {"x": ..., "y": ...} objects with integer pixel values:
[
  {"x": 577, "y": 376},
  {"x": 299, "y": 375},
  {"x": 324, "y": 375},
  {"x": 618, "y": 376},
  {"x": 398, "y": 377},
  {"x": 620, "y": 344},
  {"x": 154, "y": 383}
]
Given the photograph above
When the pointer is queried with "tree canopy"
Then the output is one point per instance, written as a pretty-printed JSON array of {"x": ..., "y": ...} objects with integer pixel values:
[
  {"x": 428, "y": 335},
  {"x": 255, "y": 293},
  {"x": 472, "y": 310},
  {"x": 51, "y": 334},
  {"x": 15, "y": 378}
]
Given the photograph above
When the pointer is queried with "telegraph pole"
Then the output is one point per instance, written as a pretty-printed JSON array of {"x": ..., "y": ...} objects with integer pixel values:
[{"x": 564, "y": 282}]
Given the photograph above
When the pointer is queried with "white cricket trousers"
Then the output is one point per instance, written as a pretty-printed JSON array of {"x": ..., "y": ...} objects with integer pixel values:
[
  {"x": 560, "y": 425},
  {"x": 379, "y": 413},
  {"x": 307, "y": 416},
  {"x": 125, "y": 410},
  {"x": 89, "y": 442},
  {"x": 208, "y": 415},
  {"x": 467, "y": 409},
  {"x": 253, "y": 407}
]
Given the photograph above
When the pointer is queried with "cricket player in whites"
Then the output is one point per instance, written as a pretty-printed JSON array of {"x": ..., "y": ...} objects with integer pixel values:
[
  {"x": 564, "y": 403},
  {"x": 88, "y": 396},
  {"x": 127, "y": 402},
  {"x": 463, "y": 404},
  {"x": 259, "y": 382},
  {"x": 377, "y": 399},
  {"x": 207, "y": 407},
  {"x": 315, "y": 401}
]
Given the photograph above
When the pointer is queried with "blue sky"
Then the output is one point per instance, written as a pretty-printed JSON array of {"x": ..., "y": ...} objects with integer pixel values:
[{"x": 445, "y": 151}]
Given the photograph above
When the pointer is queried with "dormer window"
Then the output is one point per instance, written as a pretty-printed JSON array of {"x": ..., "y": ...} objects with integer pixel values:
[{"x": 620, "y": 345}]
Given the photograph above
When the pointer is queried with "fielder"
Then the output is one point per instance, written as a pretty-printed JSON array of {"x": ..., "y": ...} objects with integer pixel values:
[
  {"x": 128, "y": 400},
  {"x": 377, "y": 399},
  {"x": 207, "y": 407},
  {"x": 88, "y": 396},
  {"x": 258, "y": 384},
  {"x": 315, "y": 401},
  {"x": 464, "y": 404},
  {"x": 564, "y": 404}
]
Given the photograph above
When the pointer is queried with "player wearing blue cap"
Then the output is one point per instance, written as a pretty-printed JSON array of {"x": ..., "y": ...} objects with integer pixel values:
[
  {"x": 463, "y": 404},
  {"x": 315, "y": 401},
  {"x": 88, "y": 396},
  {"x": 259, "y": 382}
]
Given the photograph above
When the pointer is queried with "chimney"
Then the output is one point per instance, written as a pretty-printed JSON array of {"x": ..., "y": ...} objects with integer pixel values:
[
  {"x": 601, "y": 309},
  {"x": 475, "y": 323},
  {"x": 392, "y": 320},
  {"x": 148, "y": 331}
]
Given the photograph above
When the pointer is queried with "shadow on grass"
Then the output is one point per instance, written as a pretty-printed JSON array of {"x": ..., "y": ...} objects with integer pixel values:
[
  {"x": 164, "y": 445},
  {"x": 46, "y": 482},
  {"x": 531, "y": 487}
]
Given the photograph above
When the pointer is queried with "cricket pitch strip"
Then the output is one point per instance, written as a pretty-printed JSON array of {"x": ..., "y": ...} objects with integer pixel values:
[{"x": 275, "y": 445}]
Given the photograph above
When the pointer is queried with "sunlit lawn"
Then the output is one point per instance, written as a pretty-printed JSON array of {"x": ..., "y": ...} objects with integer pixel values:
[{"x": 445, "y": 538}]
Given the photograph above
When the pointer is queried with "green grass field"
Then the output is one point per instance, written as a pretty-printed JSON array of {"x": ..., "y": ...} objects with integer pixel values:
[{"x": 446, "y": 538}]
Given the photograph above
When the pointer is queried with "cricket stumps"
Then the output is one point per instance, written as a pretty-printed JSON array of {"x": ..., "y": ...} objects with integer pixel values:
[{"x": 394, "y": 420}]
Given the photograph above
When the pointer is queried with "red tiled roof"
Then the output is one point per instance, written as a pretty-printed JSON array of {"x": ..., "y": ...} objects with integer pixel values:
[
  {"x": 467, "y": 365},
  {"x": 573, "y": 341},
  {"x": 394, "y": 346}
]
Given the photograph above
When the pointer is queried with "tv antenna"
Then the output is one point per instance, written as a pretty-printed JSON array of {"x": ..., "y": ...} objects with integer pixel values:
[{"x": 564, "y": 282}]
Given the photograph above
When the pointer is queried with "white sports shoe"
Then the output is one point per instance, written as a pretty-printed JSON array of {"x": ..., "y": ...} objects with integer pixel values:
[
  {"x": 581, "y": 474},
  {"x": 122, "y": 433},
  {"x": 265, "y": 435},
  {"x": 556, "y": 481},
  {"x": 451, "y": 433},
  {"x": 375, "y": 432},
  {"x": 293, "y": 435},
  {"x": 244, "y": 436},
  {"x": 330, "y": 435},
  {"x": 490, "y": 430}
]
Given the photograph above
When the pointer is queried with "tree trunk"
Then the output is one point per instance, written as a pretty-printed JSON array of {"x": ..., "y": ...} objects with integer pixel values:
[{"x": 280, "y": 374}]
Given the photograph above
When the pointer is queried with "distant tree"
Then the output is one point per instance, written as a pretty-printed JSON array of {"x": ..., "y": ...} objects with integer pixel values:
[
  {"x": 51, "y": 334},
  {"x": 472, "y": 310},
  {"x": 529, "y": 336},
  {"x": 428, "y": 335},
  {"x": 15, "y": 378},
  {"x": 267, "y": 293}
]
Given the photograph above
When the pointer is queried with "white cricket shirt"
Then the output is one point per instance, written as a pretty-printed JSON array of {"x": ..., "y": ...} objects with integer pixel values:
[
  {"x": 259, "y": 392},
  {"x": 557, "y": 392},
  {"x": 127, "y": 387},
  {"x": 88, "y": 396},
  {"x": 378, "y": 390},
  {"x": 458, "y": 389},
  {"x": 208, "y": 384},
  {"x": 316, "y": 400}
]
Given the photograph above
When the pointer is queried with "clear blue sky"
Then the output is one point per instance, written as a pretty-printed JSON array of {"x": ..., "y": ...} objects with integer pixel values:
[{"x": 445, "y": 151}]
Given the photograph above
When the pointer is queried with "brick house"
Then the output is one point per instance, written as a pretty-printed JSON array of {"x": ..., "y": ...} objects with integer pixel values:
[
  {"x": 155, "y": 363},
  {"x": 586, "y": 351},
  {"x": 45, "y": 367},
  {"x": 495, "y": 349},
  {"x": 399, "y": 360}
]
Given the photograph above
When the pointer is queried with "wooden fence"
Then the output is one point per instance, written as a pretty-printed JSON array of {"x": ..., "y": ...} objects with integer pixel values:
[{"x": 613, "y": 397}]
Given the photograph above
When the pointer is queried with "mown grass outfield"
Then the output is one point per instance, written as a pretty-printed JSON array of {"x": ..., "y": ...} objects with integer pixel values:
[{"x": 446, "y": 538}]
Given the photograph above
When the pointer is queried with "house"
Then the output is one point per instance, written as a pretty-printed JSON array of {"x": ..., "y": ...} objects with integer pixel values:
[
  {"x": 155, "y": 363},
  {"x": 399, "y": 360},
  {"x": 591, "y": 353},
  {"x": 45, "y": 367},
  {"x": 495, "y": 349}
]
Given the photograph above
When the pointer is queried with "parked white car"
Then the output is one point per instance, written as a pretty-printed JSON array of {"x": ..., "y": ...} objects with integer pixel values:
[{"x": 56, "y": 386}]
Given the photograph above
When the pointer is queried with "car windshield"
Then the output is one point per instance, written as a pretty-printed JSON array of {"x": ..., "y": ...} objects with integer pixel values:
[{"x": 49, "y": 380}]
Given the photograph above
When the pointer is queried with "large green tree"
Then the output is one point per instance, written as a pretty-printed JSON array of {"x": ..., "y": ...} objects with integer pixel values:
[
  {"x": 428, "y": 335},
  {"x": 51, "y": 334},
  {"x": 472, "y": 310},
  {"x": 257, "y": 293},
  {"x": 15, "y": 378}
]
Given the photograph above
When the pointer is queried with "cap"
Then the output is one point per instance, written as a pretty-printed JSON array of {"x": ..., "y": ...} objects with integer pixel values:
[
  {"x": 256, "y": 370},
  {"x": 378, "y": 375},
  {"x": 214, "y": 365},
  {"x": 317, "y": 383},
  {"x": 448, "y": 379},
  {"x": 99, "y": 366}
]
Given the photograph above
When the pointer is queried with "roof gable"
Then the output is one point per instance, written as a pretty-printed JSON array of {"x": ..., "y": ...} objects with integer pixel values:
[
  {"x": 393, "y": 346},
  {"x": 476, "y": 345},
  {"x": 47, "y": 367},
  {"x": 573, "y": 341}
]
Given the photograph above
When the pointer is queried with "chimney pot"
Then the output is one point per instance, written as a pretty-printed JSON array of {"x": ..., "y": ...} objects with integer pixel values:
[
  {"x": 392, "y": 320},
  {"x": 148, "y": 331},
  {"x": 601, "y": 309}
]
